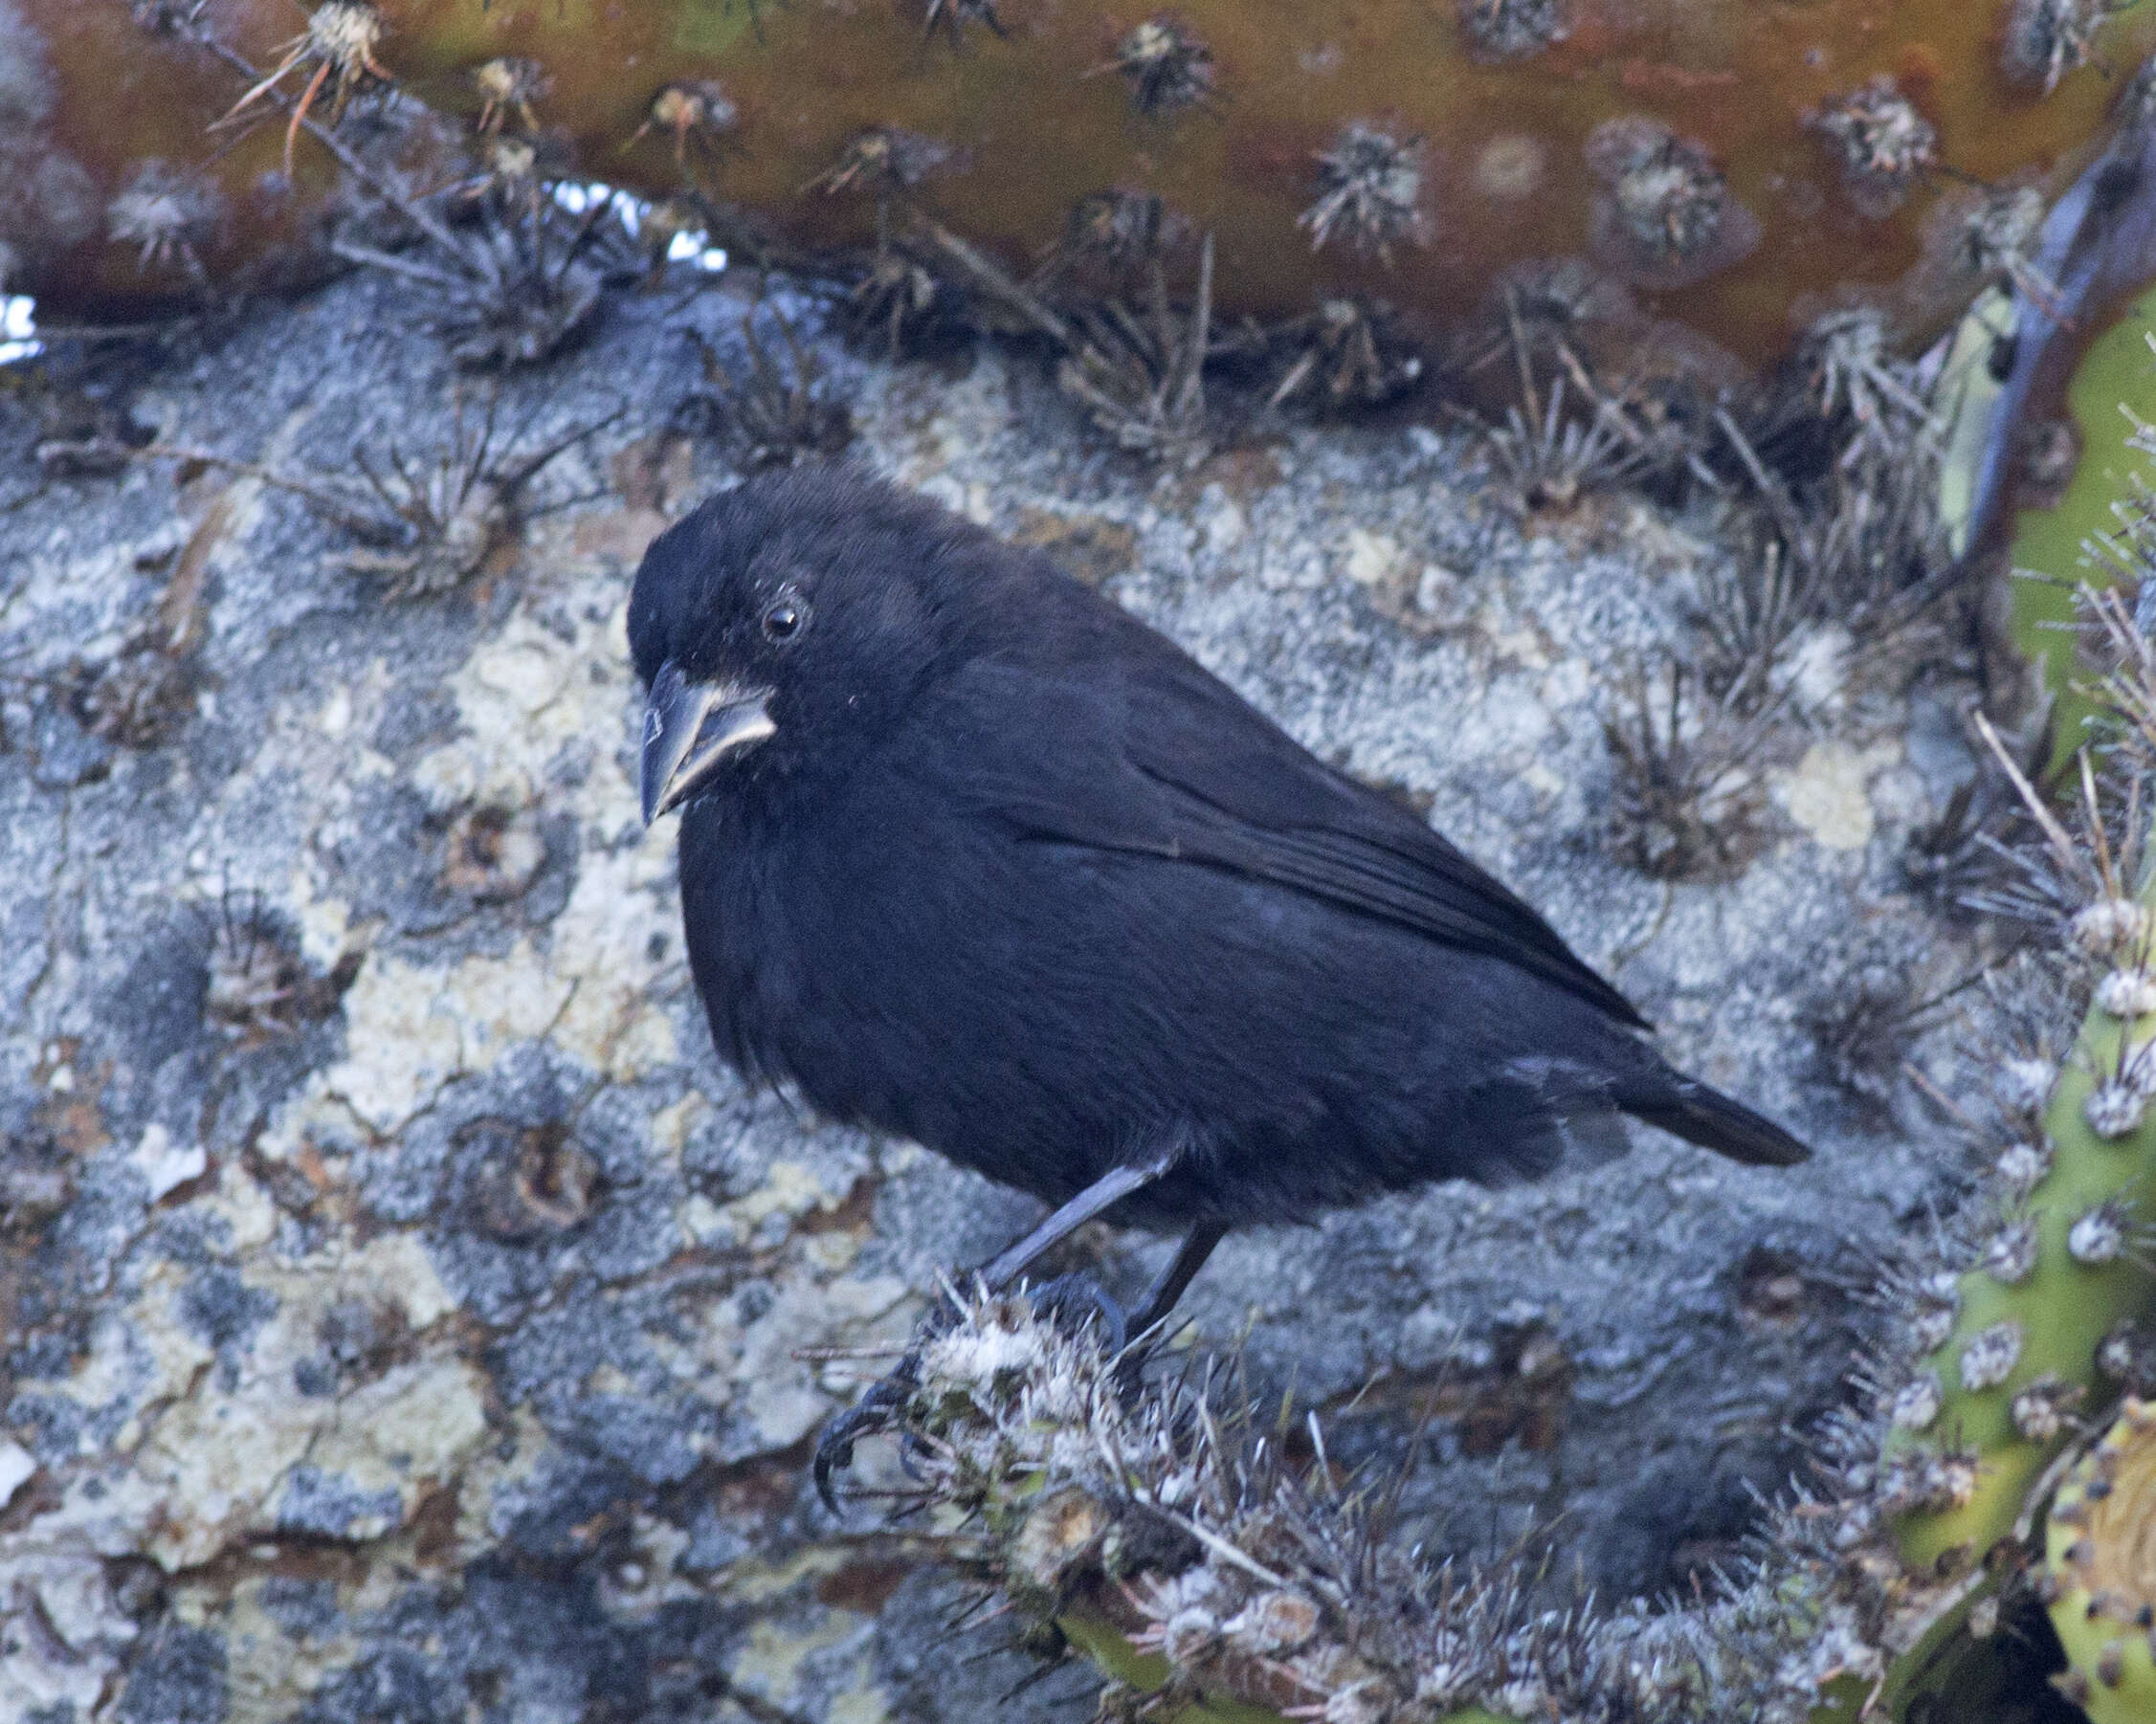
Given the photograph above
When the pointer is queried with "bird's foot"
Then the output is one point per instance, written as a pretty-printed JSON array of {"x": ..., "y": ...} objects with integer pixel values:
[
  {"x": 871, "y": 1413},
  {"x": 1071, "y": 1302}
]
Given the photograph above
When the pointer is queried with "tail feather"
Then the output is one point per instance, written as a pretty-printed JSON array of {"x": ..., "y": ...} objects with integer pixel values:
[{"x": 1706, "y": 1117}]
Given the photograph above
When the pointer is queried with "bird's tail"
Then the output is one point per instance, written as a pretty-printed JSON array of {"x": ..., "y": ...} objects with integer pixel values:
[{"x": 1706, "y": 1117}]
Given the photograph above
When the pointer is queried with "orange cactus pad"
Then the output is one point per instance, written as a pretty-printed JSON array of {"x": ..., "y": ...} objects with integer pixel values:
[{"x": 1738, "y": 163}]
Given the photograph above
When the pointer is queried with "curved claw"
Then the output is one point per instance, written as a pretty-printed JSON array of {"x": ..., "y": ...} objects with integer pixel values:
[
  {"x": 872, "y": 1412},
  {"x": 1071, "y": 1299},
  {"x": 911, "y": 1450}
]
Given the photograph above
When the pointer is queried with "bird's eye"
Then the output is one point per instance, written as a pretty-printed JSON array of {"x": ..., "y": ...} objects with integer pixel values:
[{"x": 784, "y": 619}]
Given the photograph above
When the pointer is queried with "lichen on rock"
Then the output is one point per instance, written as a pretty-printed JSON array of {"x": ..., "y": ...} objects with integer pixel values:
[{"x": 463, "y": 1333}]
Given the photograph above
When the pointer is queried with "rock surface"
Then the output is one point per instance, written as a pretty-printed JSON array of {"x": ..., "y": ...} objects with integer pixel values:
[{"x": 407, "y": 1316}]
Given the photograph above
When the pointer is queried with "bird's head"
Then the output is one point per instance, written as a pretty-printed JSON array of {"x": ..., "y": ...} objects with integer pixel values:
[{"x": 786, "y": 624}]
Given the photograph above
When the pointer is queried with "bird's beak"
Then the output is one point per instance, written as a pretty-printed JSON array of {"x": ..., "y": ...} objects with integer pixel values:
[{"x": 690, "y": 727}]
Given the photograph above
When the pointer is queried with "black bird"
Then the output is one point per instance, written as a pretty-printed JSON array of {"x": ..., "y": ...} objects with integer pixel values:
[{"x": 972, "y": 856}]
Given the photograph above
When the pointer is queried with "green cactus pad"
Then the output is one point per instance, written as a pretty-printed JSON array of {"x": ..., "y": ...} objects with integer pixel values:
[
  {"x": 2101, "y": 1556},
  {"x": 2113, "y": 385},
  {"x": 2021, "y": 1350}
]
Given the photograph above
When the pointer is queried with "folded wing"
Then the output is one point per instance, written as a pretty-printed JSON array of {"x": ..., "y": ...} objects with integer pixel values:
[{"x": 1161, "y": 759}]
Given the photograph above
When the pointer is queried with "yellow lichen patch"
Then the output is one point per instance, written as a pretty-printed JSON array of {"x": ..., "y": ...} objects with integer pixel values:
[
  {"x": 212, "y": 1464},
  {"x": 1828, "y": 794},
  {"x": 1370, "y": 559},
  {"x": 498, "y": 1002},
  {"x": 503, "y": 1467},
  {"x": 612, "y": 1018},
  {"x": 752, "y": 1581},
  {"x": 225, "y": 1438},
  {"x": 411, "y": 1029},
  {"x": 326, "y": 923},
  {"x": 56, "y": 1583},
  {"x": 239, "y": 1202},
  {"x": 671, "y": 1126},
  {"x": 397, "y": 1264},
  {"x": 864, "y": 1701},
  {"x": 529, "y": 698},
  {"x": 770, "y": 1665},
  {"x": 403, "y": 1045},
  {"x": 270, "y": 1673},
  {"x": 790, "y": 1188},
  {"x": 140, "y": 1351},
  {"x": 415, "y": 1427},
  {"x": 524, "y": 694}
]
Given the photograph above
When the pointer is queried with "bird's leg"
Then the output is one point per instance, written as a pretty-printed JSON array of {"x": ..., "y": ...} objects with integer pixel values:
[
  {"x": 1112, "y": 1186},
  {"x": 1190, "y": 1258},
  {"x": 1079, "y": 1296},
  {"x": 835, "y": 1448}
]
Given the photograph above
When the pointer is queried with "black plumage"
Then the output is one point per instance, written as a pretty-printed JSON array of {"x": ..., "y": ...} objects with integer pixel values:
[{"x": 971, "y": 855}]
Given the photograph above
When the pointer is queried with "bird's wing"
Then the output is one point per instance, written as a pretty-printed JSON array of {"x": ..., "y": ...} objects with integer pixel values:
[{"x": 1161, "y": 759}]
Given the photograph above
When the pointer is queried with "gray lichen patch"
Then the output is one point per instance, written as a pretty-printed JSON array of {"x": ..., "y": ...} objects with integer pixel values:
[{"x": 462, "y": 1335}]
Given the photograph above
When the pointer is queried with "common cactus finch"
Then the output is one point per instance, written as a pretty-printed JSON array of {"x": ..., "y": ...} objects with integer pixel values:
[{"x": 971, "y": 855}]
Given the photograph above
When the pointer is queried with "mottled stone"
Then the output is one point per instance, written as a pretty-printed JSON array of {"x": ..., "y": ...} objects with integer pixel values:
[{"x": 447, "y": 1341}]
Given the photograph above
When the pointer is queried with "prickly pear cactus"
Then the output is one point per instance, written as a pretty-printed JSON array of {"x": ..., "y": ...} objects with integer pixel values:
[
  {"x": 2101, "y": 1570},
  {"x": 2018, "y": 1338},
  {"x": 1732, "y": 163}
]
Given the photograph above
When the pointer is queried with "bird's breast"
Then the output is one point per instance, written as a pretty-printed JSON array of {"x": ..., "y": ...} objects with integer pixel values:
[{"x": 939, "y": 978}]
